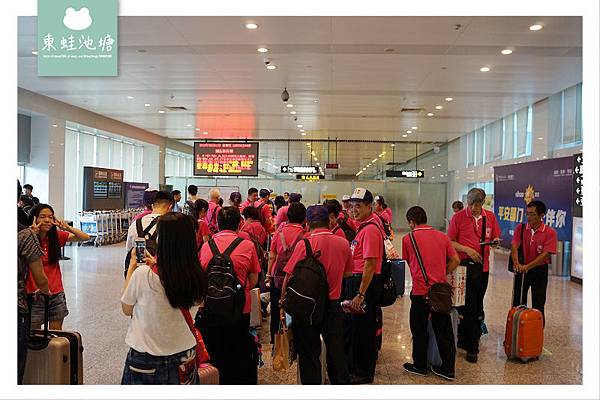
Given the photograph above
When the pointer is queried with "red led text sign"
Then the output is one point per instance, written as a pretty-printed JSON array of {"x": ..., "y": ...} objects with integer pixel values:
[{"x": 225, "y": 159}]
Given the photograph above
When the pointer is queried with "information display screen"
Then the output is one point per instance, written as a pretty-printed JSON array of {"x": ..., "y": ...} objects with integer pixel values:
[
  {"x": 225, "y": 159},
  {"x": 100, "y": 190}
]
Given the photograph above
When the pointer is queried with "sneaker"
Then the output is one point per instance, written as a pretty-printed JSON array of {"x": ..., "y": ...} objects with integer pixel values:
[
  {"x": 446, "y": 375},
  {"x": 360, "y": 380},
  {"x": 471, "y": 357},
  {"x": 414, "y": 370}
]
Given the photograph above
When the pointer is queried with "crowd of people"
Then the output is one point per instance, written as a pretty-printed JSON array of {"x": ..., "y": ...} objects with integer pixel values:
[{"x": 189, "y": 293}]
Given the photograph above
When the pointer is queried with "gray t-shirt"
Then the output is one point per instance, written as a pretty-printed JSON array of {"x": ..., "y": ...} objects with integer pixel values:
[{"x": 28, "y": 250}]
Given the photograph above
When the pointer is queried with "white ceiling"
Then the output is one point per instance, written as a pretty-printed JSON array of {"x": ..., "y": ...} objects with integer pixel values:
[{"x": 210, "y": 65}]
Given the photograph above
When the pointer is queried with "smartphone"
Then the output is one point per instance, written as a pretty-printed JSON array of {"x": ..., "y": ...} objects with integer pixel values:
[{"x": 140, "y": 250}]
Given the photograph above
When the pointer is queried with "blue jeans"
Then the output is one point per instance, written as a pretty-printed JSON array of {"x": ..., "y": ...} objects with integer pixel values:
[{"x": 146, "y": 369}]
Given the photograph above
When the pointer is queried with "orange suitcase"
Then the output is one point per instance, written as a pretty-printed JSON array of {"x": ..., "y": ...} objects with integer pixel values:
[
  {"x": 208, "y": 374},
  {"x": 524, "y": 336}
]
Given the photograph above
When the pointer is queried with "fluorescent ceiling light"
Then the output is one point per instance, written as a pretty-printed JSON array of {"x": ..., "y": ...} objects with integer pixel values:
[
  {"x": 300, "y": 126},
  {"x": 251, "y": 25},
  {"x": 271, "y": 66},
  {"x": 147, "y": 105},
  {"x": 293, "y": 112},
  {"x": 536, "y": 27},
  {"x": 484, "y": 69},
  {"x": 430, "y": 114},
  {"x": 438, "y": 107},
  {"x": 449, "y": 99},
  {"x": 130, "y": 97},
  {"x": 414, "y": 127},
  {"x": 405, "y": 135},
  {"x": 262, "y": 50},
  {"x": 506, "y": 52},
  {"x": 161, "y": 111},
  {"x": 289, "y": 105},
  {"x": 303, "y": 133},
  {"x": 408, "y": 131}
]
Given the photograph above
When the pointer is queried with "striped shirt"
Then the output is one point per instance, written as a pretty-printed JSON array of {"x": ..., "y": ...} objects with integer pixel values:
[{"x": 28, "y": 250}]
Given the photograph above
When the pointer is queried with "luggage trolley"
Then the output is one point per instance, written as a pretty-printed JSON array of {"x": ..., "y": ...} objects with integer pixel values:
[{"x": 88, "y": 223}]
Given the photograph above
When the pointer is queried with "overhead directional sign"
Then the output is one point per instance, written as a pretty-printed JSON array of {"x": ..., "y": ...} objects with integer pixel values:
[
  {"x": 309, "y": 177},
  {"x": 300, "y": 170},
  {"x": 405, "y": 173}
]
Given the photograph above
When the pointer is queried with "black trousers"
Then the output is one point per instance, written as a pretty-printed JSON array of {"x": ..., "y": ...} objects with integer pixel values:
[
  {"x": 23, "y": 327},
  {"x": 361, "y": 347},
  {"x": 307, "y": 343},
  {"x": 275, "y": 317},
  {"x": 485, "y": 277},
  {"x": 537, "y": 280},
  {"x": 232, "y": 351},
  {"x": 442, "y": 328},
  {"x": 469, "y": 330}
]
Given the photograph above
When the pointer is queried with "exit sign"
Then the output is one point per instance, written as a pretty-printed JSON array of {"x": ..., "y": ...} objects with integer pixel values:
[
  {"x": 412, "y": 173},
  {"x": 332, "y": 166}
]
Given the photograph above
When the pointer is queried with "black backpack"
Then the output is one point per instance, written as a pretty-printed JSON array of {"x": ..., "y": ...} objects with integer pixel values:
[
  {"x": 225, "y": 296},
  {"x": 307, "y": 291},
  {"x": 343, "y": 225},
  {"x": 144, "y": 234},
  {"x": 282, "y": 259},
  {"x": 388, "y": 291}
]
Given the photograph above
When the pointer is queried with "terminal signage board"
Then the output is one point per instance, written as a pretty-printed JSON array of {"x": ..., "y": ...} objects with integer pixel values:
[
  {"x": 332, "y": 166},
  {"x": 578, "y": 185},
  {"x": 518, "y": 184},
  {"x": 309, "y": 177},
  {"x": 405, "y": 173},
  {"x": 309, "y": 169},
  {"x": 226, "y": 159}
]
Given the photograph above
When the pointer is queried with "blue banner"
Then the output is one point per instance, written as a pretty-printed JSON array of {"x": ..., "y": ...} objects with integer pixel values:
[{"x": 549, "y": 181}]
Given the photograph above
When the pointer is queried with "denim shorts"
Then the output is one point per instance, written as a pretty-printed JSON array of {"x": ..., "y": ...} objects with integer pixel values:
[
  {"x": 57, "y": 309},
  {"x": 146, "y": 369}
]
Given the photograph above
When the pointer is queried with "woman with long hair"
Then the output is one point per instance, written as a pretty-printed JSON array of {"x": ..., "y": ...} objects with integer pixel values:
[
  {"x": 158, "y": 296},
  {"x": 53, "y": 235}
]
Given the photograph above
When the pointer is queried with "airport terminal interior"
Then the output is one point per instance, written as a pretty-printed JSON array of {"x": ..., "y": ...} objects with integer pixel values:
[{"x": 418, "y": 110}]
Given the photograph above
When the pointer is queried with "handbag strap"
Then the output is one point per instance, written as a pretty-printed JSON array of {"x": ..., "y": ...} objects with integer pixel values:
[
  {"x": 483, "y": 236},
  {"x": 419, "y": 259}
]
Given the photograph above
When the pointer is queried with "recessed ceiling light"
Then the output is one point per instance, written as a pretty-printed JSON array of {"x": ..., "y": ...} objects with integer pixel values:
[
  {"x": 315, "y": 101},
  {"x": 536, "y": 27},
  {"x": 262, "y": 50},
  {"x": 301, "y": 130},
  {"x": 506, "y": 52},
  {"x": 161, "y": 111},
  {"x": 316, "y": 159},
  {"x": 393, "y": 145},
  {"x": 147, "y": 105},
  {"x": 205, "y": 133},
  {"x": 414, "y": 128},
  {"x": 34, "y": 52},
  {"x": 271, "y": 67},
  {"x": 189, "y": 125},
  {"x": 251, "y": 25},
  {"x": 438, "y": 107},
  {"x": 197, "y": 129},
  {"x": 449, "y": 99},
  {"x": 540, "y": 138},
  {"x": 484, "y": 69},
  {"x": 300, "y": 126},
  {"x": 293, "y": 112},
  {"x": 408, "y": 131},
  {"x": 303, "y": 133},
  {"x": 430, "y": 114},
  {"x": 374, "y": 160},
  {"x": 130, "y": 97},
  {"x": 289, "y": 105},
  {"x": 405, "y": 135},
  {"x": 364, "y": 169},
  {"x": 439, "y": 165},
  {"x": 54, "y": 126},
  {"x": 318, "y": 164},
  {"x": 433, "y": 166}
]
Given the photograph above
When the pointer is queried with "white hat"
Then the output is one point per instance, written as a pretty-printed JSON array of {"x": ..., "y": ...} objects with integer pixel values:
[{"x": 345, "y": 197}]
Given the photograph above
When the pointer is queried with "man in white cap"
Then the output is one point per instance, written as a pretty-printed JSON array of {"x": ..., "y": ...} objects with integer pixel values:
[{"x": 364, "y": 287}]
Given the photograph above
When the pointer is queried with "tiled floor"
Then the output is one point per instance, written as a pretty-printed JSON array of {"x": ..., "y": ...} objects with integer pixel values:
[{"x": 93, "y": 281}]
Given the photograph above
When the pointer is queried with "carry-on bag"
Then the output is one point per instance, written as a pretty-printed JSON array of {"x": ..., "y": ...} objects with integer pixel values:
[
  {"x": 53, "y": 357},
  {"x": 322, "y": 359},
  {"x": 433, "y": 352},
  {"x": 256, "y": 310},
  {"x": 458, "y": 280},
  {"x": 398, "y": 274},
  {"x": 208, "y": 374},
  {"x": 524, "y": 336}
]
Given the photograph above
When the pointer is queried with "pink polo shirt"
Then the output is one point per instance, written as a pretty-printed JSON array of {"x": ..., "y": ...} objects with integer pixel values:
[
  {"x": 335, "y": 256},
  {"x": 465, "y": 229},
  {"x": 281, "y": 215},
  {"x": 386, "y": 215},
  {"x": 244, "y": 259},
  {"x": 255, "y": 230},
  {"x": 536, "y": 242},
  {"x": 368, "y": 243},
  {"x": 212, "y": 208},
  {"x": 339, "y": 232},
  {"x": 435, "y": 249},
  {"x": 290, "y": 233}
]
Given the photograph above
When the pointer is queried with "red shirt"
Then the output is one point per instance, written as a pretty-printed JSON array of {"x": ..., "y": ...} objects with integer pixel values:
[
  {"x": 202, "y": 231},
  {"x": 435, "y": 249},
  {"x": 368, "y": 243},
  {"x": 255, "y": 230},
  {"x": 339, "y": 232},
  {"x": 52, "y": 271},
  {"x": 281, "y": 215},
  {"x": 335, "y": 256},
  {"x": 465, "y": 229},
  {"x": 212, "y": 208},
  {"x": 244, "y": 259},
  {"x": 290, "y": 233},
  {"x": 386, "y": 215},
  {"x": 141, "y": 215},
  {"x": 352, "y": 223},
  {"x": 536, "y": 242},
  {"x": 245, "y": 204},
  {"x": 266, "y": 216}
]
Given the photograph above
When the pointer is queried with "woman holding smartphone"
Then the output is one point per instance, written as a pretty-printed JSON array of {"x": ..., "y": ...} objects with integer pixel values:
[
  {"x": 53, "y": 235},
  {"x": 158, "y": 296}
]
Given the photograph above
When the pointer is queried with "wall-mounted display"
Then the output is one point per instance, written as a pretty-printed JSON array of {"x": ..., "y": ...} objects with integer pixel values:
[{"x": 226, "y": 159}]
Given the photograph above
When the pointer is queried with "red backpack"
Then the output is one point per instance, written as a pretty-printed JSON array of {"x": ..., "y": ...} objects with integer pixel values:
[{"x": 283, "y": 258}]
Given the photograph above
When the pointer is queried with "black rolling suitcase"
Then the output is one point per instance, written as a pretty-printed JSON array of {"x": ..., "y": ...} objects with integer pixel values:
[{"x": 54, "y": 357}]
